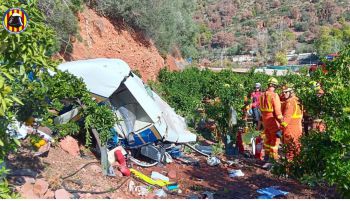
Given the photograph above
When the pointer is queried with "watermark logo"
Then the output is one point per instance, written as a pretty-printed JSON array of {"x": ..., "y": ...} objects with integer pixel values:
[{"x": 15, "y": 20}]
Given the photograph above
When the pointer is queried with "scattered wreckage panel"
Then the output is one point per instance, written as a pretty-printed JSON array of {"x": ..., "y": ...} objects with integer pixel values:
[
  {"x": 142, "y": 97},
  {"x": 66, "y": 117},
  {"x": 101, "y": 76},
  {"x": 176, "y": 125}
]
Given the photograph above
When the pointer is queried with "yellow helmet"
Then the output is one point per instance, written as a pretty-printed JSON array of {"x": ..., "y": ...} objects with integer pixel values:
[
  {"x": 288, "y": 87},
  {"x": 315, "y": 85},
  {"x": 273, "y": 81}
]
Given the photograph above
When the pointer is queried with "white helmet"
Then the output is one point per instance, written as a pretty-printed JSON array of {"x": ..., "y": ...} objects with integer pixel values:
[{"x": 257, "y": 85}]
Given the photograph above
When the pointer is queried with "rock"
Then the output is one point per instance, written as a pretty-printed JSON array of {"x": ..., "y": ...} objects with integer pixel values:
[
  {"x": 260, "y": 171},
  {"x": 27, "y": 191},
  {"x": 40, "y": 187},
  {"x": 85, "y": 195},
  {"x": 172, "y": 174},
  {"x": 46, "y": 130},
  {"x": 62, "y": 194},
  {"x": 29, "y": 180},
  {"x": 70, "y": 145},
  {"x": 49, "y": 195},
  {"x": 95, "y": 168}
]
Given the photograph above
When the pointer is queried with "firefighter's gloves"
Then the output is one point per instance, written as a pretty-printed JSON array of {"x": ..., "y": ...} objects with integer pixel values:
[
  {"x": 279, "y": 134},
  {"x": 284, "y": 124}
]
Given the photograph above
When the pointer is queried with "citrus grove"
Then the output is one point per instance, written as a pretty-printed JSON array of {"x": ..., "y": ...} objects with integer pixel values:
[{"x": 324, "y": 158}]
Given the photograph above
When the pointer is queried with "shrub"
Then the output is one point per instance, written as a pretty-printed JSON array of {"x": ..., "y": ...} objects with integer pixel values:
[
  {"x": 169, "y": 24},
  {"x": 235, "y": 50},
  {"x": 60, "y": 16},
  {"x": 301, "y": 26}
]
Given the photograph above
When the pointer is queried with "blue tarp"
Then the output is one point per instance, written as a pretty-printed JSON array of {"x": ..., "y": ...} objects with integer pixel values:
[{"x": 270, "y": 192}]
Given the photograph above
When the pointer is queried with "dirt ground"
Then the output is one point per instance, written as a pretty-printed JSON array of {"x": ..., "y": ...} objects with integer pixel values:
[{"x": 192, "y": 180}]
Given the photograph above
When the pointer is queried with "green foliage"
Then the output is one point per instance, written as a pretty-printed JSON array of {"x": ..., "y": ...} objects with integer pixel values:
[
  {"x": 5, "y": 191},
  {"x": 60, "y": 16},
  {"x": 205, "y": 34},
  {"x": 325, "y": 156},
  {"x": 19, "y": 55},
  {"x": 29, "y": 53},
  {"x": 64, "y": 89},
  {"x": 332, "y": 40},
  {"x": 227, "y": 87},
  {"x": 281, "y": 58},
  {"x": 301, "y": 26},
  {"x": 69, "y": 128},
  {"x": 218, "y": 148}
]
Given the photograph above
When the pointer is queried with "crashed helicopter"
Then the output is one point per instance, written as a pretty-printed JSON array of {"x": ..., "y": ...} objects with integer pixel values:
[{"x": 148, "y": 124}]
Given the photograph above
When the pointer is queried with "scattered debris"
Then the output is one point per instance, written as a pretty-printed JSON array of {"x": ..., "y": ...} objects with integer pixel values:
[
  {"x": 148, "y": 180},
  {"x": 271, "y": 192},
  {"x": 43, "y": 149},
  {"x": 111, "y": 154},
  {"x": 131, "y": 186},
  {"x": 193, "y": 197},
  {"x": 175, "y": 152},
  {"x": 158, "y": 176},
  {"x": 188, "y": 160},
  {"x": 141, "y": 190},
  {"x": 208, "y": 195},
  {"x": 267, "y": 166},
  {"x": 205, "y": 149},
  {"x": 236, "y": 173},
  {"x": 160, "y": 193},
  {"x": 213, "y": 161},
  {"x": 121, "y": 160},
  {"x": 70, "y": 145},
  {"x": 172, "y": 187}
]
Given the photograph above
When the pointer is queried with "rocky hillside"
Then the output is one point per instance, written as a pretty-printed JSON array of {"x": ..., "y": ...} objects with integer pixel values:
[
  {"x": 99, "y": 37},
  {"x": 265, "y": 27}
]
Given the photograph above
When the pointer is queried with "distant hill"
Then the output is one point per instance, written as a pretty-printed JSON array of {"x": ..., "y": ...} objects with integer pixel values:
[{"x": 265, "y": 27}]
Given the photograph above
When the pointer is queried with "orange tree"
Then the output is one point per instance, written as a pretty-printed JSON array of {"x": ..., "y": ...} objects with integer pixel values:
[
  {"x": 24, "y": 61},
  {"x": 325, "y": 156}
]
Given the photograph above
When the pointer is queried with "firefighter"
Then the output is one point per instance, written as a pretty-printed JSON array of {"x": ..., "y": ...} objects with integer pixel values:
[
  {"x": 255, "y": 96},
  {"x": 270, "y": 107},
  {"x": 316, "y": 86},
  {"x": 292, "y": 112}
]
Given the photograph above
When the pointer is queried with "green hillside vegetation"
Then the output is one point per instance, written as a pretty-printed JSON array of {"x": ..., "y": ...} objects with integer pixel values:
[
  {"x": 217, "y": 29},
  {"x": 266, "y": 28}
]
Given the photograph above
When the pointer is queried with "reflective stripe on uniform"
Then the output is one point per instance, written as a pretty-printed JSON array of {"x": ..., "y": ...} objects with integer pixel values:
[
  {"x": 266, "y": 103},
  {"x": 297, "y": 114}
]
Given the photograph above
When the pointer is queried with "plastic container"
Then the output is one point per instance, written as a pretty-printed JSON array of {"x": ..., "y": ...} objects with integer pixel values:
[{"x": 158, "y": 176}]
